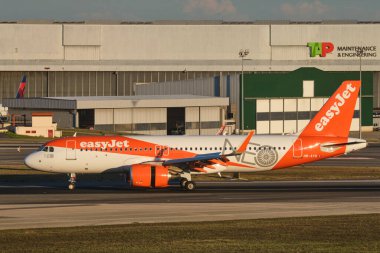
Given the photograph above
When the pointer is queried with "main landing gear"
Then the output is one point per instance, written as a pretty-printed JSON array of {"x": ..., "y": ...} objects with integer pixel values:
[
  {"x": 186, "y": 182},
  {"x": 72, "y": 181}
]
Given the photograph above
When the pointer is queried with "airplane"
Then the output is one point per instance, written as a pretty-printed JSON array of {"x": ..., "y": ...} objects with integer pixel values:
[
  {"x": 150, "y": 161},
  {"x": 21, "y": 88}
]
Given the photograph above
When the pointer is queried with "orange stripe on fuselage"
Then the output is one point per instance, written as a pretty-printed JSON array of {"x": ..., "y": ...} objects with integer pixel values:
[
  {"x": 135, "y": 144},
  {"x": 121, "y": 145}
]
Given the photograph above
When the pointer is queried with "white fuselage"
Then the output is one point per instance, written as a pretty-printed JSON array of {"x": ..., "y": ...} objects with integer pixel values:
[{"x": 263, "y": 152}]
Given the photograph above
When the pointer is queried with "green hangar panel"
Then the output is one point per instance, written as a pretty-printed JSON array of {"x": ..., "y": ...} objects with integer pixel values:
[{"x": 289, "y": 86}]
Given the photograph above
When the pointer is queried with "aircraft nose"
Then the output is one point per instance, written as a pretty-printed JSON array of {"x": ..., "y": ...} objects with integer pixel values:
[{"x": 30, "y": 161}]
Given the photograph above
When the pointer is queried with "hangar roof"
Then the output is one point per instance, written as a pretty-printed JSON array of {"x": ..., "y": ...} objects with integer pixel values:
[
  {"x": 72, "y": 103},
  {"x": 187, "y": 22}
]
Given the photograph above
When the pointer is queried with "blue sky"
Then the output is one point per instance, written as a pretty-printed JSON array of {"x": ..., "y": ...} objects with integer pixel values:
[{"x": 229, "y": 10}]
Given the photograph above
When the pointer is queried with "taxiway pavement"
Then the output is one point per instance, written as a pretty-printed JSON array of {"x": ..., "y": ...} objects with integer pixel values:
[{"x": 35, "y": 206}]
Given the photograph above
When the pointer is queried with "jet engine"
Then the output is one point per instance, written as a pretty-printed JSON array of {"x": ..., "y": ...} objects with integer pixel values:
[{"x": 149, "y": 176}]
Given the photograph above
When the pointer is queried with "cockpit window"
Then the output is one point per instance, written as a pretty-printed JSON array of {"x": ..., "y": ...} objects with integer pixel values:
[
  {"x": 45, "y": 149},
  {"x": 51, "y": 149}
]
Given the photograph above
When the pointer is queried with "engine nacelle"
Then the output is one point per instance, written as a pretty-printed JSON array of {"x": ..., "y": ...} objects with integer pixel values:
[{"x": 149, "y": 176}]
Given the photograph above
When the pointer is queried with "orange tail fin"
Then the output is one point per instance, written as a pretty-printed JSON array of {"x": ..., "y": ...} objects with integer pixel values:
[{"x": 335, "y": 116}]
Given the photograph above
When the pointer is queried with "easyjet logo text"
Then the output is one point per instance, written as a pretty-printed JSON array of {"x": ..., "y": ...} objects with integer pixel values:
[
  {"x": 335, "y": 108},
  {"x": 104, "y": 144},
  {"x": 320, "y": 48}
]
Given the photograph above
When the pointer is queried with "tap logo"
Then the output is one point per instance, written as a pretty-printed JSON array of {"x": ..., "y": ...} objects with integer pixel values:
[{"x": 320, "y": 48}]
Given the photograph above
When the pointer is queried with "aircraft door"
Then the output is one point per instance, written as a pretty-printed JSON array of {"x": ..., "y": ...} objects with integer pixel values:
[
  {"x": 161, "y": 150},
  {"x": 298, "y": 149},
  {"x": 70, "y": 150}
]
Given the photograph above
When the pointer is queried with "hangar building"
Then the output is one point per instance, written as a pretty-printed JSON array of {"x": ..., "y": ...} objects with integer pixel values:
[
  {"x": 286, "y": 60},
  {"x": 152, "y": 115}
]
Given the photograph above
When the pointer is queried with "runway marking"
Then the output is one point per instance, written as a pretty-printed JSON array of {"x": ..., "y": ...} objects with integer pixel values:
[
  {"x": 351, "y": 158},
  {"x": 15, "y": 148},
  {"x": 26, "y": 186}
]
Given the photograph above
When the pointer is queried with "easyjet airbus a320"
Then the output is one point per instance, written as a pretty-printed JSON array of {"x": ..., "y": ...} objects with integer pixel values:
[{"x": 150, "y": 161}]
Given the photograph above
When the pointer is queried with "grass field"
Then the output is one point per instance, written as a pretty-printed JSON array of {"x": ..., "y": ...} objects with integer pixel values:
[{"x": 352, "y": 233}]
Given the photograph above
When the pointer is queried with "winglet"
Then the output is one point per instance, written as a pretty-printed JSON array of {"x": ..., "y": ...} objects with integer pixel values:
[{"x": 244, "y": 145}]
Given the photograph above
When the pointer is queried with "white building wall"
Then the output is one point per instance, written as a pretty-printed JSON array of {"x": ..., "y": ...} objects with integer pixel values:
[
  {"x": 31, "y": 42},
  {"x": 104, "y": 116},
  {"x": 181, "y": 42},
  {"x": 178, "y": 47},
  {"x": 149, "y": 115},
  {"x": 123, "y": 116}
]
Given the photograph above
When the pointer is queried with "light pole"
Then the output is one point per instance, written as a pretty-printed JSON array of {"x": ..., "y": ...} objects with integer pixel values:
[
  {"x": 359, "y": 52},
  {"x": 242, "y": 53}
]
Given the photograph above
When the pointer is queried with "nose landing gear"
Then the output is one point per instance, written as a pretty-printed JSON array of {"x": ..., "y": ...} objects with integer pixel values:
[{"x": 72, "y": 181}]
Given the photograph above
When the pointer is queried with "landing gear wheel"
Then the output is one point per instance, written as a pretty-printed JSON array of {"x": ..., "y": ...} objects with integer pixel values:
[
  {"x": 189, "y": 186},
  {"x": 72, "y": 181},
  {"x": 183, "y": 182}
]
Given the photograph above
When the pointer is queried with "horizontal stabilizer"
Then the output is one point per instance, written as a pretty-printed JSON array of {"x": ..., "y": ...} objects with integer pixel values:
[{"x": 335, "y": 145}]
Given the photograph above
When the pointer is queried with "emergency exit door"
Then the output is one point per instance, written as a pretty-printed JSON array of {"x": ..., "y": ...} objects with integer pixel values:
[{"x": 71, "y": 150}]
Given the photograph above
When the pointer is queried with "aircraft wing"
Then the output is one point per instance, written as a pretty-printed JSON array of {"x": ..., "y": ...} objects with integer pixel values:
[
  {"x": 197, "y": 158},
  {"x": 208, "y": 161}
]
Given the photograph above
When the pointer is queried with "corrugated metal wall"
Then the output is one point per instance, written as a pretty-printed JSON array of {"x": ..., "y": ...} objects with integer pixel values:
[
  {"x": 153, "y": 121},
  {"x": 94, "y": 83},
  {"x": 228, "y": 85},
  {"x": 150, "y": 121}
]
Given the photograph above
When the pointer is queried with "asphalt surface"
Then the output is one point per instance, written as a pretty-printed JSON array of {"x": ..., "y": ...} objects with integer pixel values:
[
  {"x": 368, "y": 157},
  {"x": 35, "y": 206}
]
